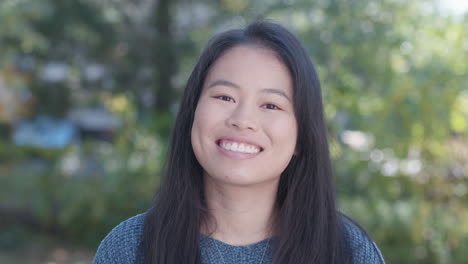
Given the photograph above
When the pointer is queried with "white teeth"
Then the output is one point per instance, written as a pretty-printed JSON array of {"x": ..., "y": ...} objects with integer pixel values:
[
  {"x": 239, "y": 147},
  {"x": 234, "y": 147},
  {"x": 251, "y": 149}
]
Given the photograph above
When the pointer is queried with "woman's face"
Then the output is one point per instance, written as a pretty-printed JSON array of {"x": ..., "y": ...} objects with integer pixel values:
[{"x": 244, "y": 131}]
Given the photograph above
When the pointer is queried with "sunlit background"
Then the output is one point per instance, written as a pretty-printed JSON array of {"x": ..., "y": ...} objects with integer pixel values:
[{"x": 89, "y": 90}]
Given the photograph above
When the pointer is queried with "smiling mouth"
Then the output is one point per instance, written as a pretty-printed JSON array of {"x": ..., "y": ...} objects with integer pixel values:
[{"x": 240, "y": 147}]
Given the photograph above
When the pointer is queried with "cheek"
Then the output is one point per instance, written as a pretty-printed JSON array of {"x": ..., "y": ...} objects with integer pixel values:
[
  {"x": 203, "y": 123},
  {"x": 195, "y": 133},
  {"x": 202, "y": 120},
  {"x": 283, "y": 130},
  {"x": 209, "y": 114}
]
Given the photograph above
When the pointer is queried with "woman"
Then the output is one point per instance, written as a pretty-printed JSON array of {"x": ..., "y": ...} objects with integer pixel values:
[{"x": 249, "y": 178}]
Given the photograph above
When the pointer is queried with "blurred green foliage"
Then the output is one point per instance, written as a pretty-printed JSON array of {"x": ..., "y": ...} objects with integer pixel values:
[{"x": 394, "y": 78}]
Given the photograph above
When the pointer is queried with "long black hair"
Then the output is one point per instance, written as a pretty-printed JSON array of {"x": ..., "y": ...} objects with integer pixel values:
[{"x": 307, "y": 224}]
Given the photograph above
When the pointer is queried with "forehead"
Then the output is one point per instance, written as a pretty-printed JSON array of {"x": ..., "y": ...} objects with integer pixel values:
[{"x": 251, "y": 66}]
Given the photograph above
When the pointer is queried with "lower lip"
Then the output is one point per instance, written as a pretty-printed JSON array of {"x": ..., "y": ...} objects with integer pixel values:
[{"x": 237, "y": 155}]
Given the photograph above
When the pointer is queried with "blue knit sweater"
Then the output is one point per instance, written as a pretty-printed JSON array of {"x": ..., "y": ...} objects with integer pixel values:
[{"x": 120, "y": 247}]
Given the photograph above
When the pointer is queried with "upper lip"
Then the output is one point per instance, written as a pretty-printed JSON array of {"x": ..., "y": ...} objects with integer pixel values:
[{"x": 240, "y": 140}]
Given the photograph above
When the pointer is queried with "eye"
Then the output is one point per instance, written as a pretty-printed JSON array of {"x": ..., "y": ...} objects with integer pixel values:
[
  {"x": 224, "y": 98},
  {"x": 271, "y": 107}
]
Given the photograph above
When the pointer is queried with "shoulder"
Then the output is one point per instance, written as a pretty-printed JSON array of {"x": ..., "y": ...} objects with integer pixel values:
[
  {"x": 121, "y": 244},
  {"x": 360, "y": 246}
]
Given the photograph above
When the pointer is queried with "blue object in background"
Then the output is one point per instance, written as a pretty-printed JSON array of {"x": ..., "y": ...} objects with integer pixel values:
[{"x": 44, "y": 132}]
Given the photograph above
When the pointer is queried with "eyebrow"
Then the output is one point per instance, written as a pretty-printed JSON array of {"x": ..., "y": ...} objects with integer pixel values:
[
  {"x": 223, "y": 83},
  {"x": 276, "y": 91},
  {"x": 266, "y": 90}
]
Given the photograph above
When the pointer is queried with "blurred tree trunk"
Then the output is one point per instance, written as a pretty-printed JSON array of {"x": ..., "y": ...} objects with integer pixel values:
[{"x": 164, "y": 54}]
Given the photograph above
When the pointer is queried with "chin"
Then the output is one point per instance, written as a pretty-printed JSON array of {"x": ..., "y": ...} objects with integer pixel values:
[{"x": 243, "y": 180}]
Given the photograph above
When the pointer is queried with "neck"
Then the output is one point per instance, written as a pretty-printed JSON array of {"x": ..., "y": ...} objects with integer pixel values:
[{"x": 241, "y": 215}]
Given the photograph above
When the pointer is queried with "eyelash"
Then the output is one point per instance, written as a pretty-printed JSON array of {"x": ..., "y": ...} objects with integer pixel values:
[
  {"x": 275, "y": 107},
  {"x": 229, "y": 99},
  {"x": 223, "y": 97}
]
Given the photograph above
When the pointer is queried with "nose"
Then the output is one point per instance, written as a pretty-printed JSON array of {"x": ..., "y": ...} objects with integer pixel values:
[{"x": 243, "y": 117}]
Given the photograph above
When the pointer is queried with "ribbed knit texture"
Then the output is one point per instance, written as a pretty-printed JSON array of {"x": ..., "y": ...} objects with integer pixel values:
[
  {"x": 216, "y": 252},
  {"x": 120, "y": 246}
]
